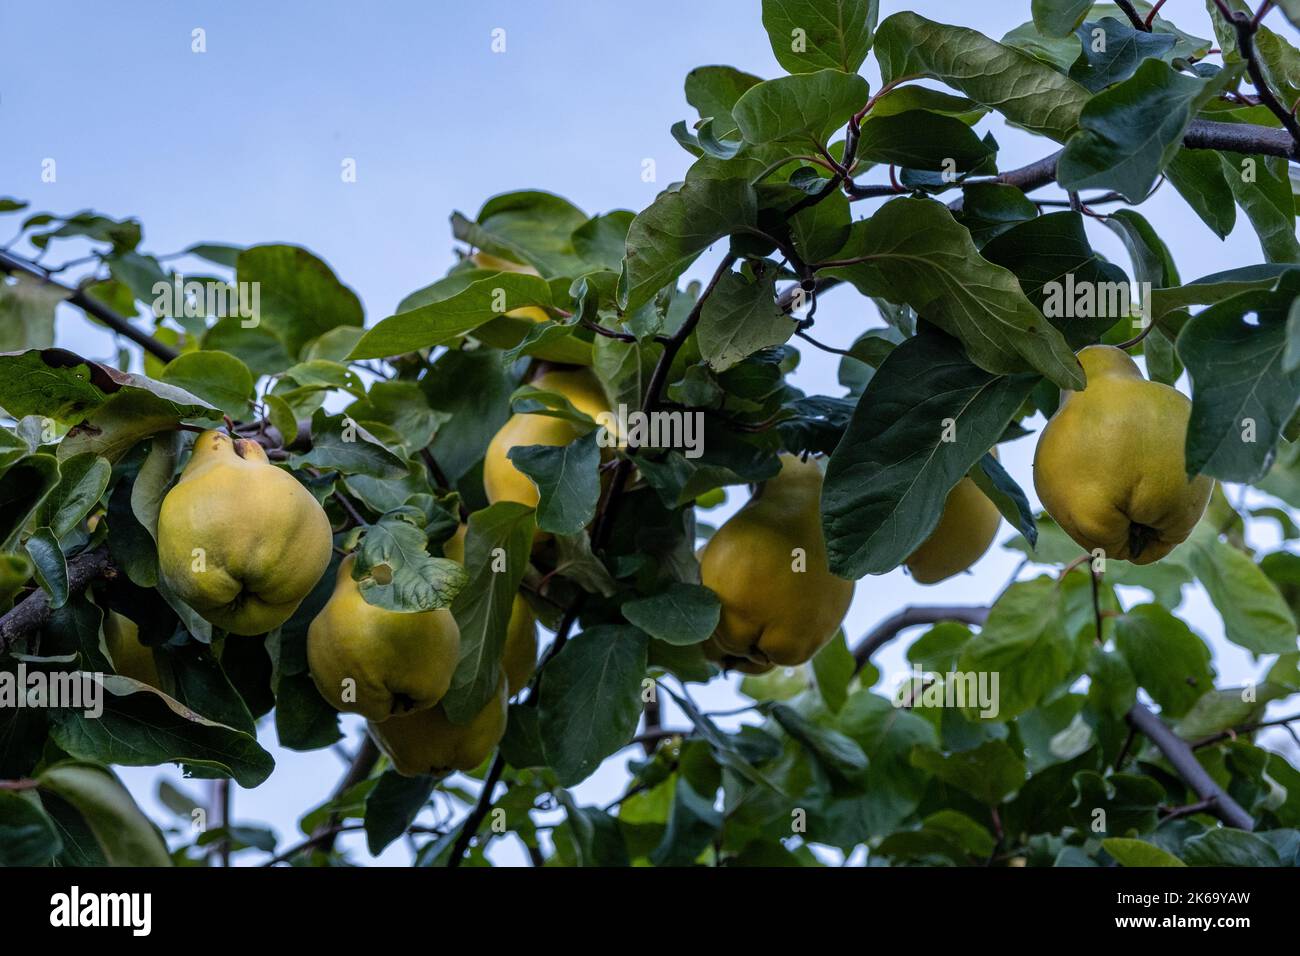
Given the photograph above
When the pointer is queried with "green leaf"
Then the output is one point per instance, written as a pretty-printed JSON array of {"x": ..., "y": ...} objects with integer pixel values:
[
  {"x": 805, "y": 108},
  {"x": 497, "y": 546},
  {"x": 215, "y": 377},
  {"x": 591, "y": 699},
  {"x": 59, "y": 384},
  {"x": 808, "y": 35},
  {"x": 913, "y": 251},
  {"x": 1009, "y": 498},
  {"x": 1025, "y": 641},
  {"x": 1165, "y": 656},
  {"x": 692, "y": 825},
  {"x": 51, "y": 570},
  {"x": 1262, "y": 186},
  {"x": 1255, "y": 615},
  {"x": 143, "y": 727},
  {"x": 27, "y": 834},
  {"x": 1044, "y": 252},
  {"x": 23, "y": 488},
  {"x": 713, "y": 91},
  {"x": 740, "y": 318},
  {"x": 392, "y": 806},
  {"x": 1127, "y": 803},
  {"x": 888, "y": 479},
  {"x": 666, "y": 237},
  {"x": 838, "y": 753},
  {"x": 1112, "y": 687},
  {"x": 1228, "y": 847},
  {"x": 833, "y": 670},
  {"x": 1057, "y": 52},
  {"x": 82, "y": 481},
  {"x": 1242, "y": 398},
  {"x": 340, "y": 444},
  {"x": 1028, "y": 93},
  {"x": 125, "y": 835},
  {"x": 681, "y": 614},
  {"x": 887, "y": 735},
  {"x": 1130, "y": 852},
  {"x": 922, "y": 140},
  {"x": 300, "y": 297},
  {"x": 1058, "y": 18},
  {"x": 1199, "y": 177},
  {"x": 1113, "y": 51},
  {"x": 529, "y": 226},
  {"x": 989, "y": 773},
  {"x": 394, "y": 570},
  {"x": 447, "y": 318},
  {"x": 1130, "y": 132},
  {"x": 27, "y": 313},
  {"x": 596, "y": 835},
  {"x": 567, "y": 479}
]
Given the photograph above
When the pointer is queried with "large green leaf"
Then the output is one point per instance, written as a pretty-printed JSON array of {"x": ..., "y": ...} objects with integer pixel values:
[
  {"x": 665, "y": 238},
  {"x": 27, "y": 313},
  {"x": 1130, "y": 132},
  {"x": 889, "y": 477},
  {"x": 804, "y": 109},
  {"x": 125, "y": 835},
  {"x": 1199, "y": 177},
  {"x": 713, "y": 91},
  {"x": 300, "y": 296},
  {"x": 740, "y": 318},
  {"x": 446, "y": 319},
  {"x": 1027, "y": 92},
  {"x": 808, "y": 35},
  {"x": 567, "y": 479},
  {"x": 913, "y": 251},
  {"x": 591, "y": 699},
  {"x": 143, "y": 727},
  {"x": 1262, "y": 185},
  {"x": 1024, "y": 641},
  {"x": 1058, "y": 18},
  {"x": 1242, "y": 397},
  {"x": 990, "y": 772},
  {"x": 1113, "y": 51},
  {"x": 496, "y": 556},
  {"x": 1166, "y": 657},
  {"x": 529, "y": 226},
  {"x": 681, "y": 614},
  {"x": 27, "y": 834},
  {"x": 1132, "y": 852},
  {"x": 215, "y": 377},
  {"x": 394, "y": 570},
  {"x": 1255, "y": 615}
]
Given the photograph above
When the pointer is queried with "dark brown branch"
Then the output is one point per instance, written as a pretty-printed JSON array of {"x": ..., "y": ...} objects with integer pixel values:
[
  {"x": 33, "y": 611},
  {"x": 13, "y": 265},
  {"x": 1180, "y": 756},
  {"x": 1134, "y": 17},
  {"x": 891, "y": 626},
  {"x": 1242, "y": 138},
  {"x": 1246, "y": 27}
]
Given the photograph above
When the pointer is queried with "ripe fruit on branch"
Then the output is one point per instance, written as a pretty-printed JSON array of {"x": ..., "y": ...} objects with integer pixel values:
[
  {"x": 240, "y": 540},
  {"x": 1109, "y": 467},
  {"x": 379, "y": 663},
  {"x": 427, "y": 742},
  {"x": 964, "y": 532},
  {"x": 780, "y": 602},
  {"x": 130, "y": 657},
  {"x": 502, "y": 481}
]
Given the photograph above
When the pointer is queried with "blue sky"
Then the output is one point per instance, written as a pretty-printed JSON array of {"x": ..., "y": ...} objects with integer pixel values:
[{"x": 244, "y": 143}]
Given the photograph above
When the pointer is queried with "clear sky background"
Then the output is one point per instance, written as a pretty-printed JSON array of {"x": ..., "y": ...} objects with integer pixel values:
[{"x": 245, "y": 142}]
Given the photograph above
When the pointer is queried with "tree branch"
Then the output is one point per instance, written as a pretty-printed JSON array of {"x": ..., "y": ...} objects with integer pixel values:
[
  {"x": 32, "y": 611},
  {"x": 1246, "y": 27},
  {"x": 12, "y": 264},
  {"x": 1180, "y": 756},
  {"x": 892, "y": 626}
]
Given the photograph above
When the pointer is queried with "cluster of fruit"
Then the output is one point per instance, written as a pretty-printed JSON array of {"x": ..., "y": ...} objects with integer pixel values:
[{"x": 1109, "y": 469}]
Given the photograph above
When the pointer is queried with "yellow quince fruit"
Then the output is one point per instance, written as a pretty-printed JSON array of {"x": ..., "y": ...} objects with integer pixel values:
[
  {"x": 502, "y": 481},
  {"x": 1109, "y": 467},
  {"x": 965, "y": 531},
  {"x": 780, "y": 602},
  {"x": 240, "y": 540},
  {"x": 427, "y": 742},
  {"x": 378, "y": 663},
  {"x": 130, "y": 658}
]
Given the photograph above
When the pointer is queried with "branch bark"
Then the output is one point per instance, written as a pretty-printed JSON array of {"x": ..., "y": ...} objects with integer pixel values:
[
  {"x": 13, "y": 265},
  {"x": 892, "y": 626},
  {"x": 34, "y": 610}
]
